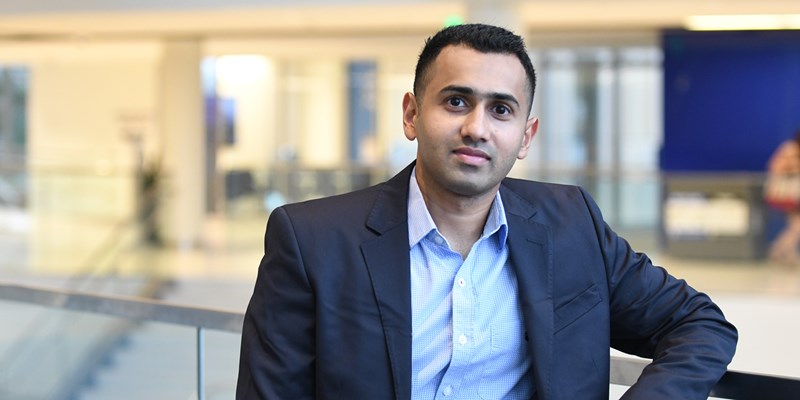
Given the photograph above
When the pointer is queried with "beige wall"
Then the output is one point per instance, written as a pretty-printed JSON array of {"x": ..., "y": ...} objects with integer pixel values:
[
  {"x": 96, "y": 106},
  {"x": 86, "y": 102}
]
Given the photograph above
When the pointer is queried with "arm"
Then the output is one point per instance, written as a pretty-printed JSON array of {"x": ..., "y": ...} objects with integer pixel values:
[
  {"x": 278, "y": 351},
  {"x": 656, "y": 316}
]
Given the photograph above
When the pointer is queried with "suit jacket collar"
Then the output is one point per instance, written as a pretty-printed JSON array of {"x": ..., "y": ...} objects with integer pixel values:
[
  {"x": 387, "y": 259},
  {"x": 530, "y": 254},
  {"x": 391, "y": 206}
]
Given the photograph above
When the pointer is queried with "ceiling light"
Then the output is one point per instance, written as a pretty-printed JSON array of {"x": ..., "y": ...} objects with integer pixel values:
[{"x": 742, "y": 22}]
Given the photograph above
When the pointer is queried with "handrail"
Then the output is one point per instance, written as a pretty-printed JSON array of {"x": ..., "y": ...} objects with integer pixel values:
[
  {"x": 624, "y": 371},
  {"x": 29, "y": 347},
  {"x": 137, "y": 309},
  {"x": 132, "y": 309}
]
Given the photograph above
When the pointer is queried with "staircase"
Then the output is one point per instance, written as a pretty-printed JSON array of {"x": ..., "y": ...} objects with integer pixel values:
[{"x": 159, "y": 361}]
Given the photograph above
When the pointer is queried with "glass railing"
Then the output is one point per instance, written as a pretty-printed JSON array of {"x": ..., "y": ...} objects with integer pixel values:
[
  {"x": 136, "y": 348},
  {"x": 114, "y": 347},
  {"x": 77, "y": 221}
]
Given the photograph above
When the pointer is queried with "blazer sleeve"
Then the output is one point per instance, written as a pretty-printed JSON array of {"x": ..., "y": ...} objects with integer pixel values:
[
  {"x": 657, "y": 316},
  {"x": 277, "y": 352}
]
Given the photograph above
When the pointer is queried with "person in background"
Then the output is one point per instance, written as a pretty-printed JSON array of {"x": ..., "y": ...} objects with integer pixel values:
[
  {"x": 451, "y": 280},
  {"x": 782, "y": 192}
]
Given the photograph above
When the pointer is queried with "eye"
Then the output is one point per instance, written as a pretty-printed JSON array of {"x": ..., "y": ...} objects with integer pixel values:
[
  {"x": 501, "y": 109},
  {"x": 456, "y": 102}
]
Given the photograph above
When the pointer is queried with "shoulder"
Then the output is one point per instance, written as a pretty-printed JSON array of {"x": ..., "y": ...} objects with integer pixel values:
[
  {"x": 345, "y": 206},
  {"x": 376, "y": 208},
  {"x": 551, "y": 204},
  {"x": 543, "y": 193}
]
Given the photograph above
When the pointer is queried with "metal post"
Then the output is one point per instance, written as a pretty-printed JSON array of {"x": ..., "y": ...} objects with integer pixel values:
[{"x": 201, "y": 394}]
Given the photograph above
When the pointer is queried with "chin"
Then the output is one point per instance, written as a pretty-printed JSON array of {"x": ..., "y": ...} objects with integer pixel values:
[{"x": 470, "y": 188}]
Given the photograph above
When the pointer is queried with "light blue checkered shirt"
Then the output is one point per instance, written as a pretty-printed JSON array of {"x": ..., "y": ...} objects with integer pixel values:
[{"x": 468, "y": 339}]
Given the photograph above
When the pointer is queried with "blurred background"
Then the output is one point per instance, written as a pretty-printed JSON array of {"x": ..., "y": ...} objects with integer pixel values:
[{"x": 144, "y": 143}]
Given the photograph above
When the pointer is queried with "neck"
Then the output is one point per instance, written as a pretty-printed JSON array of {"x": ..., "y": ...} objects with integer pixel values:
[{"x": 460, "y": 219}]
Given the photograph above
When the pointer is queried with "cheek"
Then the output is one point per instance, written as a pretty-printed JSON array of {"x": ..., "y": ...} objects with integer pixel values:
[
  {"x": 429, "y": 149},
  {"x": 438, "y": 121},
  {"x": 432, "y": 135}
]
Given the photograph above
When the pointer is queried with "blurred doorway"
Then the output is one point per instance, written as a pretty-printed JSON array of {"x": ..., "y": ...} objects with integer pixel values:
[{"x": 13, "y": 135}]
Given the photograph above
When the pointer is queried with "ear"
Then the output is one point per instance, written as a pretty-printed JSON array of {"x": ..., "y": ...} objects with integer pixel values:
[
  {"x": 410, "y": 116},
  {"x": 530, "y": 131}
]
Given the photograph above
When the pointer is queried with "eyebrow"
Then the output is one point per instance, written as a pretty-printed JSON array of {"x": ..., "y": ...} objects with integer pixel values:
[{"x": 465, "y": 90}]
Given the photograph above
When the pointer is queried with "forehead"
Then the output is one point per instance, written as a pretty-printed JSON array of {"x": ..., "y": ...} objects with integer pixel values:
[{"x": 485, "y": 72}]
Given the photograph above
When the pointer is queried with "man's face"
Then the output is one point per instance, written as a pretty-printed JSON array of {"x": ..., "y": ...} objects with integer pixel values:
[{"x": 470, "y": 121}]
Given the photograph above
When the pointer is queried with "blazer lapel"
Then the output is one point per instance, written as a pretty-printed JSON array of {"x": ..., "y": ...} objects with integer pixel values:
[
  {"x": 387, "y": 259},
  {"x": 531, "y": 257}
]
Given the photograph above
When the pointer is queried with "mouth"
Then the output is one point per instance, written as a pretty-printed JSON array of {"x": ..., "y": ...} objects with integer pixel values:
[{"x": 472, "y": 156}]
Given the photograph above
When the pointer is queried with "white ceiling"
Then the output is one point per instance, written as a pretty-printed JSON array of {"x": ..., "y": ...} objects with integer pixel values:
[{"x": 33, "y": 19}]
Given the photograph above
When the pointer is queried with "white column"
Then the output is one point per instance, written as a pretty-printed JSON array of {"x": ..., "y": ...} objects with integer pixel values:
[
  {"x": 183, "y": 211},
  {"x": 504, "y": 13},
  {"x": 323, "y": 141}
]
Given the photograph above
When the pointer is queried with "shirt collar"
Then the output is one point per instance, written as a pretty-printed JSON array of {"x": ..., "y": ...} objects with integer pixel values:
[{"x": 420, "y": 222}]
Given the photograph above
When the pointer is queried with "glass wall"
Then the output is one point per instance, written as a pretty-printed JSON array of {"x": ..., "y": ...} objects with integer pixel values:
[
  {"x": 600, "y": 112},
  {"x": 285, "y": 120}
]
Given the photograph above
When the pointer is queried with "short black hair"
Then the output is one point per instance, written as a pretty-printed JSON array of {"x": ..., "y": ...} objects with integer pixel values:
[{"x": 479, "y": 37}]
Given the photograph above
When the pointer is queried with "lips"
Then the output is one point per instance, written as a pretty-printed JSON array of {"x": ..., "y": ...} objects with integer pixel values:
[
  {"x": 472, "y": 156},
  {"x": 472, "y": 152}
]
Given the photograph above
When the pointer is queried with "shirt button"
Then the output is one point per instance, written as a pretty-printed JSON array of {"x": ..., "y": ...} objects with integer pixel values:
[
  {"x": 462, "y": 339},
  {"x": 447, "y": 391},
  {"x": 461, "y": 282},
  {"x": 438, "y": 240}
]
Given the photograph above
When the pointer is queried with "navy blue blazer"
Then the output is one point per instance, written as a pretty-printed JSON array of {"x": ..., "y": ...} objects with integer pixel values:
[{"x": 330, "y": 315}]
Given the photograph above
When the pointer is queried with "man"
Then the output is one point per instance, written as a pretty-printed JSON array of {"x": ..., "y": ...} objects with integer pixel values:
[{"x": 452, "y": 281}]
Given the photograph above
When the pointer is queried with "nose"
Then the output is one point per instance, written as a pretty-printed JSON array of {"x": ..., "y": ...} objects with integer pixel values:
[{"x": 476, "y": 125}]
